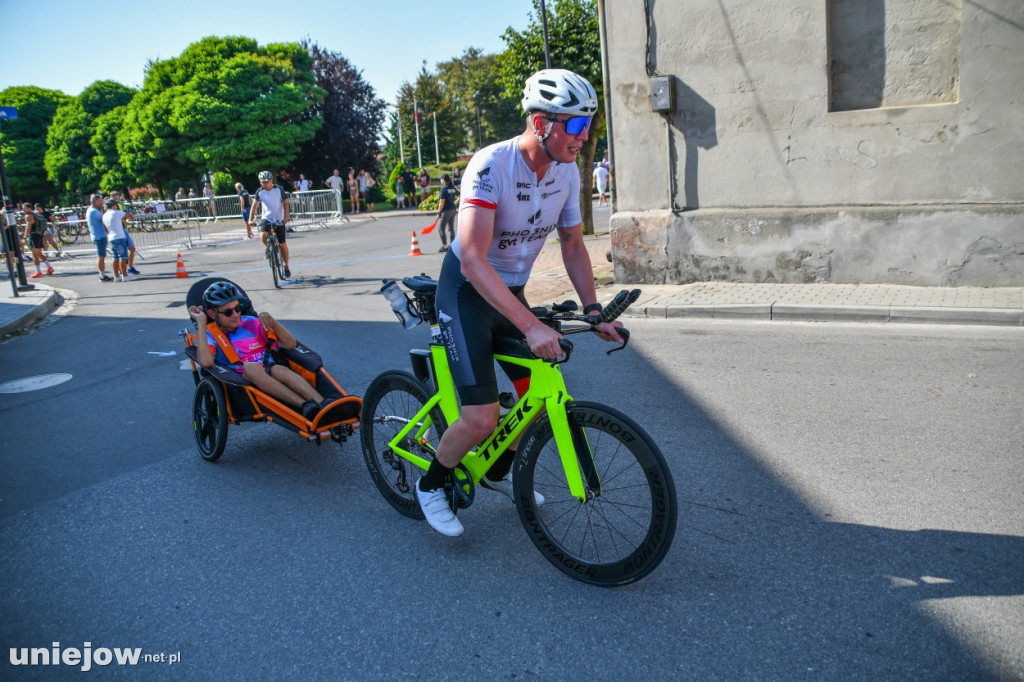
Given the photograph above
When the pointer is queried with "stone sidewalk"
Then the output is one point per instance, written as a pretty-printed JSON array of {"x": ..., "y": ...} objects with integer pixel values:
[{"x": 786, "y": 302}]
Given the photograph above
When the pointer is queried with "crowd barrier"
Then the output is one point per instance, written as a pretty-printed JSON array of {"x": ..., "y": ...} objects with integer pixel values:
[
  {"x": 157, "y": 228},
  {"x": 179, "y": 223}
]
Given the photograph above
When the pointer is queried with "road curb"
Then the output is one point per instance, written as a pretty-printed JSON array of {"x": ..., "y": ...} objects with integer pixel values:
[
  {"x": 29, "y": 313},
  {"x": 796, "y": 312}
]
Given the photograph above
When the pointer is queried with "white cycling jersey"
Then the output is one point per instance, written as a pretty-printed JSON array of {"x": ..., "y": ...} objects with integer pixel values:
[
  {"x": 525, "y": 211},
  {"x": 272, "y": 203}
]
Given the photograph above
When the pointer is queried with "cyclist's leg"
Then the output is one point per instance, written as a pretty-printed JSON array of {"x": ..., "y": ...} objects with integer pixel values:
[
  {"x": 467, "y": 322},
  {"x": 282, "y": 237}
]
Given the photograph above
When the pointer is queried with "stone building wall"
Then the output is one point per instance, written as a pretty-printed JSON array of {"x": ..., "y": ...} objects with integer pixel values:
[{"x": 818, "y": 140}]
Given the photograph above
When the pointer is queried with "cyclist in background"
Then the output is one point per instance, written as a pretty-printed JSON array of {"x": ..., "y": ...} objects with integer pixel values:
[
  {"x": 514, "y": 194},
  {"x": 275, "y": 213}
]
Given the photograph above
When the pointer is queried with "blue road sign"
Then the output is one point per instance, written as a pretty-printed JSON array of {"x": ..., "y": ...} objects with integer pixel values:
[{"x": 8, "y": 113}]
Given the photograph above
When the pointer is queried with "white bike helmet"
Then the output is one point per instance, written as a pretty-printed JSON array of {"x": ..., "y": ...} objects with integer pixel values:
[
  {"x": 559, "y": 91},
  {"x": 266, "y": 176}
]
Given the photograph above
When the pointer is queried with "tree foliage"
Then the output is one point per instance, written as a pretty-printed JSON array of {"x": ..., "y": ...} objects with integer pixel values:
[
  {"x": 574, "y": 40},
  {"x": 352, "y": 115},
  {"x": 69, "y": 158},
  {"x": 432, "y": 98},
  {"x": 23, "y": 141},
  {"x": 472, "y": 83},
  {"x": 106, "y": 160},
  {"x": 224, "y": 104}
]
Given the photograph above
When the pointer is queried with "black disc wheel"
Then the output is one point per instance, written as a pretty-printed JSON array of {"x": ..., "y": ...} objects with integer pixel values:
[
  {"x": 210, "y": 419},
  {"x": 390, "y": 402},
  {"x": 625, "y": 527}
]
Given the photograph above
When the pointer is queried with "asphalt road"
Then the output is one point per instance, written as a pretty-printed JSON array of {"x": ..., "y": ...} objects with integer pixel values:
[{"x": 849, "y": 501}]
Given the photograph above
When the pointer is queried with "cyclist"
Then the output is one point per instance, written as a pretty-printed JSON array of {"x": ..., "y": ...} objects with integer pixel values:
[
  {"x": 514, "y": 193},
  {"x": 248, "y": 336},
  {"x": 275, "y": 213}
]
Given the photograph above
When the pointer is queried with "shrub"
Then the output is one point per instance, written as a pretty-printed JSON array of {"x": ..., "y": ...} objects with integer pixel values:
[{"x": 144, "y": 193}]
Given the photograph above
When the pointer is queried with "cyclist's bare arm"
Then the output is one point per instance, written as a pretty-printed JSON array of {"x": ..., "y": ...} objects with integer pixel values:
[
  {"x": 252, "y": 211},
  {"x": 476, "y": 230},
  {"x": 286, "y": 210},
  {"x": 579, "y": 268},
  {"x": 285, "y": 339}
]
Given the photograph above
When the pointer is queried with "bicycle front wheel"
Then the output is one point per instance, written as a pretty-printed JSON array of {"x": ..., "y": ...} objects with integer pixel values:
[
  {"x": 274, "y": 256},
  {"x": 390, "y": 402},
  {"x": 626, "y": 526}
]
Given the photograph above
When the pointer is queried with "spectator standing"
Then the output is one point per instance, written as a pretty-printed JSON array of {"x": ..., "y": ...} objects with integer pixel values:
[
  {"x": 191, "y": 193},
  {"x": 116, "y": 196},
  {"x": 180, "y": 196},
  {"x": 399, "y": 192},
  {"x": 601, "y": 180},
  {"x": 457, "y": 178},
  {"x": 211, "y": 206},
  {"x": 446, "y": 211},
  {"x": 244, "y": 204},
  {"x": 353, "y": 191},
  {"x": 361, "y": 179},
  {"x": 94, "y": 219},
  {"x": 336, "y": 183},
  {"x": 424, "y": 184},
  {"x": 366, "y": 185},
  {"x": 113, "y": 219},
  {"x": 409, "y": 183},
  {"x": 35, "y": 227},
  {"x": 302, "y": 185}
]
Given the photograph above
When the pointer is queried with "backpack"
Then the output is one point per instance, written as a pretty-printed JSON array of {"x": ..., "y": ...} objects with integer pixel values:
[{"x": 39, "y": 226}]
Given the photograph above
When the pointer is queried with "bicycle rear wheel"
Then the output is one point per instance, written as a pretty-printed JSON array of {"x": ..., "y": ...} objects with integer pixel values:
[
  {"x": 67, "y": 233},
  {"x": 625, "y": 528},
  {"x": 390, "y": 401}
]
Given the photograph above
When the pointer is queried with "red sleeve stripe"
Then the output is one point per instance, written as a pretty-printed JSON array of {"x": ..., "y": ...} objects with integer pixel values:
[{"x": 482, "y": 204}]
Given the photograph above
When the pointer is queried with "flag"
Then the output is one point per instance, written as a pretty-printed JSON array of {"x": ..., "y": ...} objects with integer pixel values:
[{"x": 429, "y": 228}]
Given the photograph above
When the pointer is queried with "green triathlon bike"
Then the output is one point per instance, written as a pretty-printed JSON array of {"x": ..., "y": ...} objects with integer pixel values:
[{"x": 609, "y": 514}]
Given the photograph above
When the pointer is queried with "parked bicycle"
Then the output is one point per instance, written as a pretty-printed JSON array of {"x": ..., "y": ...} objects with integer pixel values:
[{"x": 609, "y": 511}]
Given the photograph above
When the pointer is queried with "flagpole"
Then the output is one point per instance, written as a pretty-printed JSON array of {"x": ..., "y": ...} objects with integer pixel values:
[
  {"x": 401, "y": 145},
  {"x": 416, "y": 118},
  {"x": 437, "y": 152}
]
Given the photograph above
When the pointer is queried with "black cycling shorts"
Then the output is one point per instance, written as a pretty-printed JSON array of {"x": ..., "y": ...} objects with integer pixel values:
[
  {"x": 469, "y": 325},
  {"x": 279, "y": 230}
]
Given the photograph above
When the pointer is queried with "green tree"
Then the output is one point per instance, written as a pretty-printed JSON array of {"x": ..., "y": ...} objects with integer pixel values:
[
  {"x": 485, "y": 113},
  {"x": 106, "y": 160},
  {"x": 23, "y": 141},
  {"x": 575, "y": 44},
  {"x": 224, "y": 104},
  {"x": 69, "y": 155},
  {"x": 352, "y": 115},
  {"x": 431, "y": 98}
]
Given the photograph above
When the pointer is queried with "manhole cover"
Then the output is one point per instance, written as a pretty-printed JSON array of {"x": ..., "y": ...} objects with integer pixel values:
[{"x": 34, "y": 383}]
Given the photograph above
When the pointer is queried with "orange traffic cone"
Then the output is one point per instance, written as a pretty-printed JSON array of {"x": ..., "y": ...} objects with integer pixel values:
[
  {"x": 180, "y": 273},
  {"x": 415, "y": 251}
]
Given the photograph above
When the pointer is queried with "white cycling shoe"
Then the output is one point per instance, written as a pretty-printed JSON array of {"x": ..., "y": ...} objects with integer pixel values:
[
  {"x": 504, "y": 486},
  {"x": 437, "y": 512}
]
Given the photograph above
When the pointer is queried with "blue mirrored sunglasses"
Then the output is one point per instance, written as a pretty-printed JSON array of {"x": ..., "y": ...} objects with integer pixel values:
[{"x": 574, "y": 125}]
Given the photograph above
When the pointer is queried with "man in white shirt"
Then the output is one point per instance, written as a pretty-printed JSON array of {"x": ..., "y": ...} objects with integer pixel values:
[
  {"x": 336, "y": 182},
  {"x": 113, "y": 219}
]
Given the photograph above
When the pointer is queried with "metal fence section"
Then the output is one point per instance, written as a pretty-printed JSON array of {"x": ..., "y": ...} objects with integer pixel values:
[
  {"x": 314, "y": 209},
  {"x": 150, "y": 228}
]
